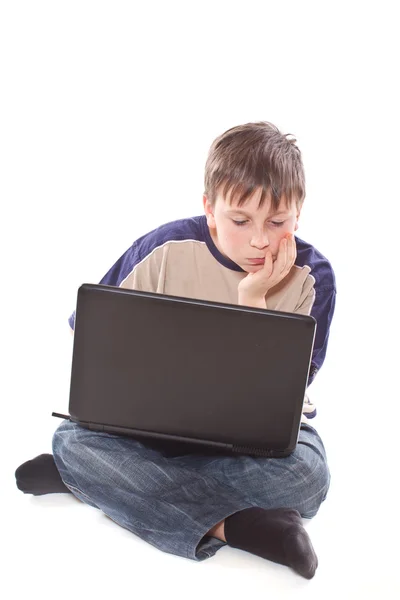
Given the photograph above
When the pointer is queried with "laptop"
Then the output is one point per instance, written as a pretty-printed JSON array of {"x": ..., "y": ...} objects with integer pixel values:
[{"x": 218, "y": 376}]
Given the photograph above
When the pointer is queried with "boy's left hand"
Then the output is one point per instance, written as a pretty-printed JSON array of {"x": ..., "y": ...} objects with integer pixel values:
[{"x": 254, "y": 287}]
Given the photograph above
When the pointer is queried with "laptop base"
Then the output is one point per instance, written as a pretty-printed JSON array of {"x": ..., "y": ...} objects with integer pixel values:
[{"x": 153, "y": 436}]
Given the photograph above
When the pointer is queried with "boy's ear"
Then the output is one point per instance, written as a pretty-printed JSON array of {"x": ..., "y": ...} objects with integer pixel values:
[{"x": 209, "y": 212}]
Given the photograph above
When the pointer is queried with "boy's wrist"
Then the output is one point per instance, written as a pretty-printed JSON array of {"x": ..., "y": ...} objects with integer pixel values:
[{"x": 246, "y": 300}]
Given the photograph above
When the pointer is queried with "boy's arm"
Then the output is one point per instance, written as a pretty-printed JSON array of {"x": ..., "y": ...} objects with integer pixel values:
[
  {"x": 319, "y": 301},
  {"x": 322, "y": 311},
  {"x": 304, "y": 307}
]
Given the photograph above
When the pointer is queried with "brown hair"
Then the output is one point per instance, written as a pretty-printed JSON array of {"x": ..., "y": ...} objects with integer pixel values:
[{"x": 252, "y": 156}]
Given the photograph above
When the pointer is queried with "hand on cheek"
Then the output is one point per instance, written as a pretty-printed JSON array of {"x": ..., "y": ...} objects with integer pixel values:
[{"x": 253, "y": 288}]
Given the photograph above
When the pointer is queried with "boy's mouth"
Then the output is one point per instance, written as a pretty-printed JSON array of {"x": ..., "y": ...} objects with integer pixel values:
[{"x": 256, "y": 261}]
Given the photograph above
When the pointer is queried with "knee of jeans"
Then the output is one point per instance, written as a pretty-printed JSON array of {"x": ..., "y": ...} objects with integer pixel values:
[
  {"x": 64, "y": 445},
  {"x": 68, "y": 452},
  {"x": 60, "y": 436},
  {"x": 315, "y": 481}
]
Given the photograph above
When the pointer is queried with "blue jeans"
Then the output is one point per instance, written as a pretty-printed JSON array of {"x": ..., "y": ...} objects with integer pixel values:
[{"x": 172, "y": 499}]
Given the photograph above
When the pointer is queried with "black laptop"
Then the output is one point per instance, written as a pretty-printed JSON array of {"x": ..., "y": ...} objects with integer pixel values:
[{"x": 220, "y": 377}]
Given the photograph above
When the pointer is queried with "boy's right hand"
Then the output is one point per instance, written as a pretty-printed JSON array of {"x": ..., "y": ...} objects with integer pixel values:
[{"x": 254, "y": 287}]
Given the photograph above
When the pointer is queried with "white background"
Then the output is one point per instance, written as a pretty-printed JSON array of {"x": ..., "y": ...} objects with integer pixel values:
[{"x": 107, "y": 113}]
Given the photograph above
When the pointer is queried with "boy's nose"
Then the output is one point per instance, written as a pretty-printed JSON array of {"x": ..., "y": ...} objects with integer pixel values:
[{"x": 260, "y": 242}]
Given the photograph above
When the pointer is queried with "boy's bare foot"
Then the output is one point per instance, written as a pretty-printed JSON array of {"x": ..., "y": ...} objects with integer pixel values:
[{"x": 277, "y": 535}]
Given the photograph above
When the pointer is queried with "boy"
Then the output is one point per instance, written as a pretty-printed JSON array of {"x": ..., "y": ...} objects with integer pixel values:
[{"x": 243, "y": 250}]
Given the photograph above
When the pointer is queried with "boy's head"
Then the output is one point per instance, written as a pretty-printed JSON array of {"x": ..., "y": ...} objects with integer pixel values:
[{"x": 254, "y": 188}]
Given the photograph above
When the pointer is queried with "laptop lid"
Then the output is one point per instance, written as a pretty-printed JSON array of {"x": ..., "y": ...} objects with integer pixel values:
[{"x": 166, "y": 367}]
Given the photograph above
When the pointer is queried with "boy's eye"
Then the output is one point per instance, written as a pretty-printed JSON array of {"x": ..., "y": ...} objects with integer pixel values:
[{"x": 274, "y": 223}]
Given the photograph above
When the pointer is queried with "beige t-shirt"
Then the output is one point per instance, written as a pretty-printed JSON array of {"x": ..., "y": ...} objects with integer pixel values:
[{"x": 187, "y": 268}]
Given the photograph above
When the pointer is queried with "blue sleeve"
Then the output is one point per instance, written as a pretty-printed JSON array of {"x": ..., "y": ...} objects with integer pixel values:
[
  {"x": 118, "y": 272},
  {"x": 183, "y": 229},
  {"x": 322, "y": 311}
]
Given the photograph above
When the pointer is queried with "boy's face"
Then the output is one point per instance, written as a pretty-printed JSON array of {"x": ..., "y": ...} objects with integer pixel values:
[{"x": 244, "y": 233}]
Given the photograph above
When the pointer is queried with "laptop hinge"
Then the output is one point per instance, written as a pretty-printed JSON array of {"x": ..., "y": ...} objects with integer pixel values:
[{"x": 91, "y": 426}]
